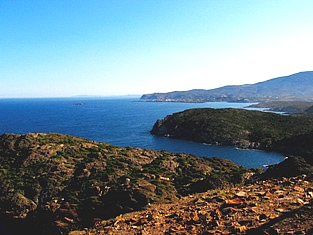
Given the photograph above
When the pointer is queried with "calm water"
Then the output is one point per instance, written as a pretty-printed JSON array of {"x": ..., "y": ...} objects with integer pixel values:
[{"x": 122, "y": 122}]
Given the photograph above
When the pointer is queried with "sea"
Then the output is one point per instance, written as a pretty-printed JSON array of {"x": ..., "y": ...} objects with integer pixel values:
[{"x": 119, "y": 121}]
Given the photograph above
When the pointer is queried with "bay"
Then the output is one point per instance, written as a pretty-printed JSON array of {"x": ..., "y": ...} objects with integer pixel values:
[{"x": 118, "y": 121}]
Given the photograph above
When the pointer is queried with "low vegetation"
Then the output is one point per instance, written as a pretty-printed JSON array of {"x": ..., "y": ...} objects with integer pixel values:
[
  {"x": 286, "y": 106},
  {"x": 289, "y": 135},
  {"x": 242, "y": 128},
  {"x": 53, "y": 183}
]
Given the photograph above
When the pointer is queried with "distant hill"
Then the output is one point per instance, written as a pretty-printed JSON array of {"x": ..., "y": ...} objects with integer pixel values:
[
  {"x": 297, "y": 86},
  {"x": 309, "y": 110},
  {"x": 286, "y": 106}
]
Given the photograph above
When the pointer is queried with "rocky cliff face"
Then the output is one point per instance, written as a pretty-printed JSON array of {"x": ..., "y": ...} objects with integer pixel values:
[{"x": 53, "y": 183}]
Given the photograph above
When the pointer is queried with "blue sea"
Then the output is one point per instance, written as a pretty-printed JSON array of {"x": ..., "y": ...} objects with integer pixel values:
[{"x": 118, "y": 121}]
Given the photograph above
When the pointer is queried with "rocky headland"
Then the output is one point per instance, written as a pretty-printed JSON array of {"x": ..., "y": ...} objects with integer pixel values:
[
  {"x": 290, "y": 135},
  {"x": 235, "y": 127}
]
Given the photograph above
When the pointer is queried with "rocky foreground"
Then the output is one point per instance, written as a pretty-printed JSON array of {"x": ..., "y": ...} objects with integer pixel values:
[
  {"x": 59, "y": 184},
  {"x": 53, "y": 183},
  {"x": 273, "y": 206}
]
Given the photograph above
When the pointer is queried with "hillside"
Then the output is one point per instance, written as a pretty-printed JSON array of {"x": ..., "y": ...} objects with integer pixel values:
[
  {"x": 275, "y": 206},
  {"x": 309, "y": 110},
  {"x": 295, "y": 87},
  {"x": 236, "y": 127},
  {"x": 289, "y": 135},
  {"x": 53, "y": 183},
  {"x": 266, "y": 203},
  {"x": 286, "y": 106}
]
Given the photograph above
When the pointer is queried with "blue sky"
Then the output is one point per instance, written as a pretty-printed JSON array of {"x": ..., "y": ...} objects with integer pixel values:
[{"x": 78, "y": 47}]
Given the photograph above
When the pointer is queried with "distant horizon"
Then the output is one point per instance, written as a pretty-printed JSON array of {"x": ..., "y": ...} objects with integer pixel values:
[
  {"x": 74, "y": 96},
  {"x": 138, "y": 95}
]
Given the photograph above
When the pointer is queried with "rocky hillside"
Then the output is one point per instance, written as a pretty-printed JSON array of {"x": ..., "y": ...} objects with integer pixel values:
[
  {"x": 289, "y": 135},
  {"x": 237, "y": 127},
  {"x": 274, "y": 206},
  {"x": 53, "y": 183},
  {"x": 297, "y": 87}
]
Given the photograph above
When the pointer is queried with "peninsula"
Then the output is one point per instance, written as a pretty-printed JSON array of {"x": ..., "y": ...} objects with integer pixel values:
[{"x": 290, "y": 135}]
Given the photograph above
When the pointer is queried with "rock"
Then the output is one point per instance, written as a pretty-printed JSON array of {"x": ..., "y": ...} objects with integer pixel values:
[
  {"x": 241, "y": 229},
  {"x": 241, "y": 194},
  {"x": 201, "y": 203},
  {"x": 254, "y": 210},
  {"x": 117, "y": 220},
  {"x": 217, "y": 214},
  {"x": 61, "y": 224},
  {"x": 233, "y": 202},
  {"x": 281, "y": 210},
  {"x": 279, "y": 192},
  {"x": 69, "y": 220},
  {"x": 78, "y": 233},
  {"x": 300, "y": 201},
  {"x": 299, "y": 189},
  {"x": 164, "y": 178},
  {"x": 195, "y": 218}
]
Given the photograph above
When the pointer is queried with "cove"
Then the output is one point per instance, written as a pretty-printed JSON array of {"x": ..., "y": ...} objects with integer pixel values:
[{"x": 119, "y": 121}]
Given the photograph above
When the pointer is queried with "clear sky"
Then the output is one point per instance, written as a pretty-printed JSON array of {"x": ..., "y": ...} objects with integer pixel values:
[{"x": 116, "y": 47}]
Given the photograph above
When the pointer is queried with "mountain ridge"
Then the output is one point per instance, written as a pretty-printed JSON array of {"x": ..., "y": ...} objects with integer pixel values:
[{"x": 298, "y": 86}]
